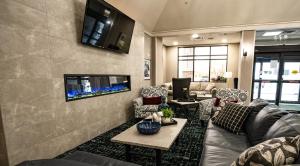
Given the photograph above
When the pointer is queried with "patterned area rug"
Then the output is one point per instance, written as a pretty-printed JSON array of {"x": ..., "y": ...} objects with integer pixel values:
[{"x": 186, "y": 152}]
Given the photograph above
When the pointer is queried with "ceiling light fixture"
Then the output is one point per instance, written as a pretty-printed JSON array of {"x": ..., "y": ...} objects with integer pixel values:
[
  {"x": 175, "y": 43},
  {"x": 224, "y": 41},
  {"x": 273, "y": 33},
  {"x": 195, "y": 36}
]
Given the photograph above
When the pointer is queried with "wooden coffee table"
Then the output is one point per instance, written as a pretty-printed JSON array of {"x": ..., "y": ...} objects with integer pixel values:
[{"x": 162, "y": 140}]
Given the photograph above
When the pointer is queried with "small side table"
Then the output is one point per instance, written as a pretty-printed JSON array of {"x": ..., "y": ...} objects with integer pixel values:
[
  {"x": 204, "y": 97},
  {"x": 184, "y": 106}
]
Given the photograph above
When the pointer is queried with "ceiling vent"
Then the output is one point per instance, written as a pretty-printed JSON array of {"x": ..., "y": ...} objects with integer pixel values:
[{"x": 199, "y": 38}]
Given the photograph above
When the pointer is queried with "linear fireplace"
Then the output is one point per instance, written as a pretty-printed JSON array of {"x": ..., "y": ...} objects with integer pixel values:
[{"x": 79, "y": 86}]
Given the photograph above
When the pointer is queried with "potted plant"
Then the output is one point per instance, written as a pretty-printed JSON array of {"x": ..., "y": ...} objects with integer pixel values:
[{"x": 167, "y": 115}]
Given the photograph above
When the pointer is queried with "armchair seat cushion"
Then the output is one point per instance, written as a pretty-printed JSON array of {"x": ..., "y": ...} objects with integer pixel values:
[{"x": 145, "y": 110}]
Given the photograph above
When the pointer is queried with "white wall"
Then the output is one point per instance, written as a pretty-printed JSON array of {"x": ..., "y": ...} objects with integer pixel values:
[
  {"x": 246, "y": 62},
  {"x": 172, "y": 63}
]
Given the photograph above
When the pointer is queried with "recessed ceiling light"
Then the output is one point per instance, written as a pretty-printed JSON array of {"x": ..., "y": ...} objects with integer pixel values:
[
  {"x": 195, "y": 35},
  {"x": 273, "y": 33},
  {"x": 175, "y": 43},
  {"x": 224, "y": 41}
]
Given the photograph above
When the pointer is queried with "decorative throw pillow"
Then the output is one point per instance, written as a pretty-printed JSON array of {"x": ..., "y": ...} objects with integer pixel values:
[
  {"x": 273, "y": 152},
  {"x": 231, "y": 101},
  {"x": 168, "y": 85},
  {"x": 232, "y": 117},
  {"x": 217, "y": 102},
  {"x": 151, "y": 100}
]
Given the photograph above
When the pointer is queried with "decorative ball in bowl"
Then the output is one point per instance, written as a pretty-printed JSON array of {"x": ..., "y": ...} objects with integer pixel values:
[{"x": 148, "y": 127}]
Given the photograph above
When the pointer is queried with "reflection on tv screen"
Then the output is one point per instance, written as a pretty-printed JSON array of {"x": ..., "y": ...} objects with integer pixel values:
[{"x": 83, "y": 86}]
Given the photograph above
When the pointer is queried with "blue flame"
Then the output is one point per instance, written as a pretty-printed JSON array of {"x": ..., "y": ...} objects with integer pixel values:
[{"x": 96, "y": 91}]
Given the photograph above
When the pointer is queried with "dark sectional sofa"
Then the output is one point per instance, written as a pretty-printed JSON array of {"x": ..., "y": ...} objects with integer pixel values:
[{"x": 221, "y": 147}]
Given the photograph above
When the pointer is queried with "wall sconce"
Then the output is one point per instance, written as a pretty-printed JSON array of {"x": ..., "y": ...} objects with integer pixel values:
[{"x": 245, "y": 53}]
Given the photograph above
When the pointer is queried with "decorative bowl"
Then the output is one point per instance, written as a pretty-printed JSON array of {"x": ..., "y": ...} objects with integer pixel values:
[{"x": 148, "y": 127}]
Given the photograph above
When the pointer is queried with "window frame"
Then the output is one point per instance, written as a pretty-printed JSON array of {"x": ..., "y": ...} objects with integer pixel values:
[{"x": 193, "y": 59}]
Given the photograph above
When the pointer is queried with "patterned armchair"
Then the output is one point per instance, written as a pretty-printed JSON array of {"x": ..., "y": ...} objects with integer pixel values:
[
  {"x": 142, "y": 111},
  {"x": 228, "y": 94},
  {"x": 207, "y": 107}
]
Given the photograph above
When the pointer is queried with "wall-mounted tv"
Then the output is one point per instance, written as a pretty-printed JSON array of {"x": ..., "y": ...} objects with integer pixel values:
[{"x": 106, "y": 27}]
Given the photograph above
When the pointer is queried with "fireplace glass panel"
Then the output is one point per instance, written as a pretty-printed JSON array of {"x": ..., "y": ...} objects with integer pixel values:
[{"x": 84, "y": 86}]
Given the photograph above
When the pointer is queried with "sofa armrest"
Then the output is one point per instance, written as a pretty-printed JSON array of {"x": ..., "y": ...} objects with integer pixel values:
[
  {"x": 138, "y": 102},
  {"x": 205, "y": 107}
]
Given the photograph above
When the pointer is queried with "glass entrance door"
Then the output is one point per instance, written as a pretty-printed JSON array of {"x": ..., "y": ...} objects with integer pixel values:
[
  {"x": 277, "y": 78},
  {"x": 266, "y": 72},
  {"x": 290, "y": 88}
]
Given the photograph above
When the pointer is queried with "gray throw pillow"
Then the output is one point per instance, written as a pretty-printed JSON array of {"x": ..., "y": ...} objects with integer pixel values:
[{"x": 273, "y": 152}]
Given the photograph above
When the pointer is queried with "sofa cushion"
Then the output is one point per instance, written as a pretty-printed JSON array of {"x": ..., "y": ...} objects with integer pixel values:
[
  {"x": 288, "y": 126},
  {"x": 276, "y": 151},
  {"x": 217, "y": 136},
  {"x": 195, "y": 86},
  {"x": 258, "y": 105},
  {"x": 217, "y": 156},
  {"x": 210, "y": 86},
  {"x": 232, "y": 117},
  {"x": 95, "y": 159},
  {"x": 262, "y": 122}
]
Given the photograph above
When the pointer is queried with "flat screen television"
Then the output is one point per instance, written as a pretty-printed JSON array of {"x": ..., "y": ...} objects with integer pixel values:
[{"x": 106, "y": 27}]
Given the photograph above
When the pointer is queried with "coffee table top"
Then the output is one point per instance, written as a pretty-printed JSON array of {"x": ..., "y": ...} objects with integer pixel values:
[
  {"x": 184, "y": 103},
  {"x": 162, "y": 140},
  {"x": 205, "y": 95}
]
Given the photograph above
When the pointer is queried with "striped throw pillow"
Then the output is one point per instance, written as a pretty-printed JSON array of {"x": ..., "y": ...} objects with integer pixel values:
[{"x": 232, "y": 117}]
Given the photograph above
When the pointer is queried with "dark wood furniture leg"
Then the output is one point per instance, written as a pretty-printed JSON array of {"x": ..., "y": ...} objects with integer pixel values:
[
  {"x": 158, "y": 157},
  {"x": 128, "y": 156}
]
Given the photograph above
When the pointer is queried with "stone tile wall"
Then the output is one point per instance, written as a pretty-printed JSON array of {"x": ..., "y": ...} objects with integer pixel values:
[{"x": 39, "y": 42}]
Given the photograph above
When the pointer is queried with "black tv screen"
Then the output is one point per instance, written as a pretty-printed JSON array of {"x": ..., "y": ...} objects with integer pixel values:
[{"x": 106, "y": 27}]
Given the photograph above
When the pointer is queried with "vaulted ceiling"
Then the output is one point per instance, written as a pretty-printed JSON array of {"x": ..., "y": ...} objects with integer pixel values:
[
  {"x": 145, "y": 11},
  {"x": 176, "y": 15}
]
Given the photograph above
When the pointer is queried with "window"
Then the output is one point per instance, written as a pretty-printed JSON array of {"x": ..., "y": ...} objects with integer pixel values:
[{"x": 202, "y": 63}]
